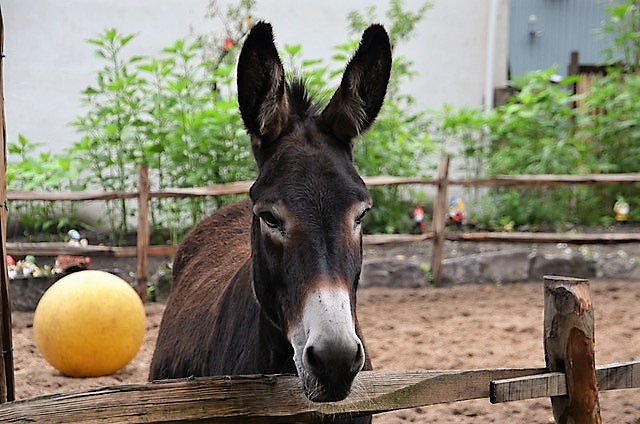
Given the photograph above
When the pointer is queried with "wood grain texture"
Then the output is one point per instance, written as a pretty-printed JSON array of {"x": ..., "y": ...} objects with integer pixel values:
[
  {"x": 6, "y": 343},
  {"x": 610, "y": 377},
  {"x": 524, "y": 237},
  {"x": 248, "y": 399},
  {"x": 440, "y": 214},
  {"x": 569, "y": 348},
  {"x": 143, "y": 234},
  {"x": 242, "y": 187}
]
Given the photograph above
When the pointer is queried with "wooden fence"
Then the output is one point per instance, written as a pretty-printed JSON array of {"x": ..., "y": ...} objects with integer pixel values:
[
  {"x": 6, "y": 344},
  {"x": 571, "y": 379},
  {"x": 438, "y": 233}
]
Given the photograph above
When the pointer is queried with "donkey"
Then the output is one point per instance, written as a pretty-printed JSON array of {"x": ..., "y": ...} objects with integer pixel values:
[{"x": 269, "y": 285}]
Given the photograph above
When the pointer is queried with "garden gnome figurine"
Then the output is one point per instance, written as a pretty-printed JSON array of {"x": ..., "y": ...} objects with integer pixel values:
[
  {"x": 418, "y": 218},
  {"x": 621, "y": 209},
  {"x": 456, "y": 211}
]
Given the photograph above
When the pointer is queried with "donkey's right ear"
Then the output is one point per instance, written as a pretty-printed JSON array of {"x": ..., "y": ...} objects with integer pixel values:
[
  {"x": 261, "y": 86},
  {"x": 356, "y": 103}
]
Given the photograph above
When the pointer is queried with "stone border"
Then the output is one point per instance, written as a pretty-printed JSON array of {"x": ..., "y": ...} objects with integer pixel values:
[{"x": 502, "y": 266}]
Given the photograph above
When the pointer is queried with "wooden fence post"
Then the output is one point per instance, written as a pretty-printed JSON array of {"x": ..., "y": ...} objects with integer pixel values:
[
  {"x": 569, "y": 348},
  {"x": 7, "y": 392},
  {"x": 142, "y": 250},
  {"x": 439, "y": 219}
]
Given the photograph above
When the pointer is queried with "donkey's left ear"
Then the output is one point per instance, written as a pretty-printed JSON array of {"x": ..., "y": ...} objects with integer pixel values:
[
  {"x": 356, "y": 103},
  {"x": 261, "y": 85}
]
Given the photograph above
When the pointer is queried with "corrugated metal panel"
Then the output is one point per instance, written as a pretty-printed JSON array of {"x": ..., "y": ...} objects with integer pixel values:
[{"x": 542, "y": 33}]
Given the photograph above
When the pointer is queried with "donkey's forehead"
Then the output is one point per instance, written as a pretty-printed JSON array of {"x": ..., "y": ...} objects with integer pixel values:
[{"x": 299, "y": 171}]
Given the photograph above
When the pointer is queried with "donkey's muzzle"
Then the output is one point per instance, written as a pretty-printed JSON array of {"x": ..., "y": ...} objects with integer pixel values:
[
  {"x": 327, "y": 351},
  {"x": 333, "y": 365}
]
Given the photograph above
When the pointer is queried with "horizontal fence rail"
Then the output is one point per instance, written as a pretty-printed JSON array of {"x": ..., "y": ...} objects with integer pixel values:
[
  {"x": 242, "y": 187},
  {"x": 59, "y": 248},
  {"x": 259, "y": 399},
  {"x": 280, "y": 398},
  {"x": 438, "y": 234}
]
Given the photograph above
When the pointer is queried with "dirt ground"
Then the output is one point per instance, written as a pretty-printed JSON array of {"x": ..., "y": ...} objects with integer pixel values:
[{"x": 470, "y": 326}]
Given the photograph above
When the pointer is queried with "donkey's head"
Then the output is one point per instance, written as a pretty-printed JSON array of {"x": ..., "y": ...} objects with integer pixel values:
[{"x": 309, "y": 202}]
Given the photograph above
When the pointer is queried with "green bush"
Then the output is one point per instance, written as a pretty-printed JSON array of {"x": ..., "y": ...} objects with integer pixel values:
[
  {"x": 539, "y": 131},
  {"x": 169, "y": 112},
  {"x": 545, "y": 128},
  {"x": 46, "y": 172},
  {"x": 177, "y": 113},
  {"x": 398, "y": 143}
]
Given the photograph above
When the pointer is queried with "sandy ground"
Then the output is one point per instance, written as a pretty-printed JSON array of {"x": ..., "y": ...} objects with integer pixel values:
[{"x": 471, "y": 326}]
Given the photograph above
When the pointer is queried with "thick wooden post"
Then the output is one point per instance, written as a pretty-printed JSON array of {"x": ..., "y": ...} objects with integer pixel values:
[
  {"x": 439, "y": 221},
  {"x": 142, "y": 269},
  {"x": 569, "y": 348},
  {"x": 6, "y": 344}
]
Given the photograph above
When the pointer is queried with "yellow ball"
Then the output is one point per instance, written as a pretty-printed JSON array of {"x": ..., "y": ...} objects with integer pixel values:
[{"x": 89, "y": 324}]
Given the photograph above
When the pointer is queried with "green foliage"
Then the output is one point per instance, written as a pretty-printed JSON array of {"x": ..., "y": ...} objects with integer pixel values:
[
  {"x": 170, "y": 112},
  {"x": 398, "y": 142},
  {"x": 544, "y": 128},
  {"x": 540, "y": 131},
  {"x": 177, "y": 112},
  {"x": 111, "y": 144},
  {"x": 624, "y": 24},
  {"x": 46, "y": 172}
]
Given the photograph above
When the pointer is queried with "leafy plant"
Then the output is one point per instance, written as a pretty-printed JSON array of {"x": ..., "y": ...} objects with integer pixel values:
[
  {"x": 111, "y": 144},
  {"x": 624, "y": 24},
  {"x": 46, "y": 172},
  {"x": 398, "y": 142},
  {"x": 177, "y": 113}
]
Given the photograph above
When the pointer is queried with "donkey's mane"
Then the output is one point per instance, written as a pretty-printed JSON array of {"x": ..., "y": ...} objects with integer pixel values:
[{"x": 301, "y": 101}]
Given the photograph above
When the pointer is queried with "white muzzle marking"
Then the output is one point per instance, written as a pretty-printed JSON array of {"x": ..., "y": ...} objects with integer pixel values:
[{"x": 327, "y": 350}]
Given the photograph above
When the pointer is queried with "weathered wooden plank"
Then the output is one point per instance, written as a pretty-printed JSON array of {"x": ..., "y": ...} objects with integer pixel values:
[
  {"x": 514, "y": 180},
  {"x": 242, "y": 187},
  {"x": 529, "y": 387},
  {"x": 143, "y": 237},
  {"x": 6, "y": 343},
  {"x": 625, "y": 375},
  {"x": 569, "y": 348},
  {"x": 610, "y": 377},
  {"x": 524, "y": 237},
  {"x": 69, "y": 195},
  {"x": 550, "y": 180},
  {"x": 54, "y": 249},
  {"x": 249, "y": 399},
  {"x": 381, "y": 239},
  {"x": 440, "y": 214},
  {"x": 383, "y": 180}
]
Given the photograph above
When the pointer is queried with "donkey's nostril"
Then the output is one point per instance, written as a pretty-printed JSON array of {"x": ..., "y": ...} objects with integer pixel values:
[
  {"x": 358, "y": 362},
  {"x": 334, "y": 361},
  {"x": 312, "y": 360}
]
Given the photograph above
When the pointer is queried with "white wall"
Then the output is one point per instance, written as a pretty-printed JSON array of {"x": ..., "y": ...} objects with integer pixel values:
[{"x": 48, "y": 63}]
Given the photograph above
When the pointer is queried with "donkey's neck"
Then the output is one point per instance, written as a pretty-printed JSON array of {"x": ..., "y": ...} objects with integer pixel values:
[
  {"x": 276, "y": 353},
  {"x": 263, "y": 348}
]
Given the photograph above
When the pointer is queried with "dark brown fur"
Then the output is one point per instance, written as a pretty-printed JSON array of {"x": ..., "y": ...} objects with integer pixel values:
[{"x": 242, "y": 275}]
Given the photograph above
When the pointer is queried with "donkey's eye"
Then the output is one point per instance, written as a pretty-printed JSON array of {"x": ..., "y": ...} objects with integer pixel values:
[
  {"x": 361, "y": 217},
  {"x": 270, "y": 219}
]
